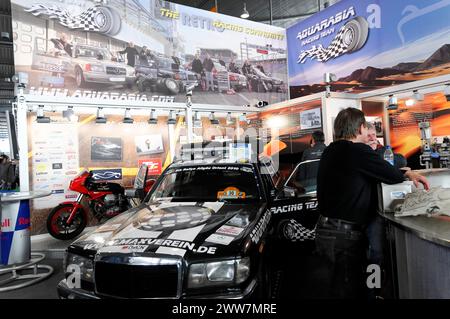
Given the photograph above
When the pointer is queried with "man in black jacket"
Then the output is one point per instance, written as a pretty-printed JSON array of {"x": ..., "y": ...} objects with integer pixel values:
[
  {"x": 131, "y": 52},
  {"x": 349, "y": 172}
]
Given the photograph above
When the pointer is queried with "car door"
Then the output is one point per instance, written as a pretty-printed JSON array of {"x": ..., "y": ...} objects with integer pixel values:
[{"x": 294, "y": 208}]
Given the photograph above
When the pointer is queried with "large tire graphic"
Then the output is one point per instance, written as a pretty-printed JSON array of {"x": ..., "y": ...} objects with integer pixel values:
[
  {"x": 108, "y": 20},
  {"x": 355, "y": 34}
]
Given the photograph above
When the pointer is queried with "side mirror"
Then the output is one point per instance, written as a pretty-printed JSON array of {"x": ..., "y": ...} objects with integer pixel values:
[{"x": 288, "y": 192}]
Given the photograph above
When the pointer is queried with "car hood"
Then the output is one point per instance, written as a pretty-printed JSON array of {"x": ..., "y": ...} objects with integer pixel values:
[
  {"x": 102, "y": 62},
  {"x": 190, "y": 230}
]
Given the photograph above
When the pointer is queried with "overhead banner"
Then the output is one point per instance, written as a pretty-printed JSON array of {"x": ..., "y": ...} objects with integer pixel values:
[
  {"x": 146, "y": 50},
  {"x": 369, "y": 44}
]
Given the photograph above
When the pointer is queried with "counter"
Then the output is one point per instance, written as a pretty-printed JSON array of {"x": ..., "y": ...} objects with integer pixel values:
[{"x": 419, "y": 246}]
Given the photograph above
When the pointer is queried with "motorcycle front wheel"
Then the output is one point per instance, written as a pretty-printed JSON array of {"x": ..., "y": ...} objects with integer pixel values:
[{"x": 57, "y": 222}]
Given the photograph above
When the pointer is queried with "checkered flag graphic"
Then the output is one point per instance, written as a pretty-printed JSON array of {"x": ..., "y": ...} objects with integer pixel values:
[
  {"x": 321, "y": 54},
  {"x": 85, "y": 21},
  {"x": 297, "y": 232}
]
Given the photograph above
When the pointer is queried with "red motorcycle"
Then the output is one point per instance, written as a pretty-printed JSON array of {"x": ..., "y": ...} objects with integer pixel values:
[{"x": 106, "y": 200}]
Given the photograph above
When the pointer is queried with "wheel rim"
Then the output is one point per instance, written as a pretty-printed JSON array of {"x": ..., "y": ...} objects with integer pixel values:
[
  {"x": 59, "y": 221},
  {"x": 349, "y": 35},
  {"x": 100, "y": 19},
  {"x": 171, "y": 85}
]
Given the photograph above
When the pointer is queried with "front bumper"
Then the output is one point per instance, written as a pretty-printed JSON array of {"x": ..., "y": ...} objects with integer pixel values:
[
  {"x": 108, "y": 78},
  {"x": 64, "y": 292}
]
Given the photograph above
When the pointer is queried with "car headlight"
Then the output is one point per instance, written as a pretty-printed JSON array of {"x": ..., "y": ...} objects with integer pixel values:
[
  {"x": 97, "y": 68},
  {"x": 216, "y": 273},
  {"x": 79, "y": 265}
]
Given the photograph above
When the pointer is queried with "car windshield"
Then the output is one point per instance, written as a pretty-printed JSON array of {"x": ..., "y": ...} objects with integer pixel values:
[
  {"x": 304, "y": 177},
  {"x": 208, "y": 183},
  {"x": 93, "y": 52},
  {"x": 165, "y": 63}
]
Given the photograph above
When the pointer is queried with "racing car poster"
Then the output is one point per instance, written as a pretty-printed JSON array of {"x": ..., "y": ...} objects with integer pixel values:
[
  {"x": 369, "y": 44},
  {"x": 147, "y": 50}
]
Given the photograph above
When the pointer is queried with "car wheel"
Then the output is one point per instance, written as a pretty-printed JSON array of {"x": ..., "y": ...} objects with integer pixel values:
[
  {"x": 264, "y": 280},
  {"x": 107, "y": 20},
  {"x": 141, "y": 85},
  {"x": 171, "y": 86},
  {"x": 355, "y": 34},
  {"x": 79, "y": 78}
]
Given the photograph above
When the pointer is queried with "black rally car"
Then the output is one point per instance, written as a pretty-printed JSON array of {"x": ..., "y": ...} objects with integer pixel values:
[{"x": 204, "y": 230}]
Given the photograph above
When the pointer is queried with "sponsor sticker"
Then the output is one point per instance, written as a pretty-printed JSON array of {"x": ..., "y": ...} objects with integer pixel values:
[
  {"x": 229, "y": 230},
  {"x": 154, "y": 165},
  {"x": 219, "y": 239},
  {"x": 260, "y": 227},
  {"x": 230, "y": 193},
  {"x": 57, "y": 165}
]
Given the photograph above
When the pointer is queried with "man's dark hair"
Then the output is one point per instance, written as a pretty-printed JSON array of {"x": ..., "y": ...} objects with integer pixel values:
[
  {"x": 348, "y": 123},
  {"x": 318, "y": 137}
]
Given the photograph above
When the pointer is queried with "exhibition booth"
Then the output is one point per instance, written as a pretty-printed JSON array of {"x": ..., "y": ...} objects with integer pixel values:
[{"x": 110, "y": 98}]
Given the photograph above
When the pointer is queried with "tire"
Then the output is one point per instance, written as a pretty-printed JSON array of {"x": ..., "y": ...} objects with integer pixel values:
[
  {"x": 79, "y": 78},
  {"x": 107, "y": 20},
  {"x": 284, "y": 230},
  {"x": 355, "y": 34},
  {"x": 171, "y": 86},
  {"x": 56, "y": 222},
  {"x": 264, "y": 280}
]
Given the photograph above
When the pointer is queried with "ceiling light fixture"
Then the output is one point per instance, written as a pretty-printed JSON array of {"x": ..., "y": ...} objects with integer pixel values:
[
  {"x": 69, "y": 114},
  {"x": 152, "y": 119},
  {"x": 101, "y": 119},
  {"x": 213, "y": 119},
  {"x": 172, "y": 118},
  {"x": 245, "y": 14},
  {"x": 127, "y": 119},
  {"x": 393, "y": 104},
  {"x": 41, "y": 118},
  {"x": 197, "y": 120},
  {"x": 418, "y": 96},
  {"x": 229, "y": 119}
]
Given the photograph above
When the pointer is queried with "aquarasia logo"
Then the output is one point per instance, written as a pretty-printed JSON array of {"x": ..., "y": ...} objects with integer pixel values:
[{"x": 326, "y": 23}]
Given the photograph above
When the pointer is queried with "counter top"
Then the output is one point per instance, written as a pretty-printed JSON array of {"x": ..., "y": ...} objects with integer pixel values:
[
  {"x": 435, "y": 229},
  {"x": 17, "y": 196}
]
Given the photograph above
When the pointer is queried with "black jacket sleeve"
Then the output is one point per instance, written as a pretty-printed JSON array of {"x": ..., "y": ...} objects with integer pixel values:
[{"x": 371, "y": 164}]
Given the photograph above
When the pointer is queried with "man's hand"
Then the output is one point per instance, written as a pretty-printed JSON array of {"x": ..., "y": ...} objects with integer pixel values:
[{"x": 417, "y": 178}]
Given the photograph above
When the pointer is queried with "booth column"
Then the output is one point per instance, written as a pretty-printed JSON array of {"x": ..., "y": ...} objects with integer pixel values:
[{"x": 22, "y": 141}]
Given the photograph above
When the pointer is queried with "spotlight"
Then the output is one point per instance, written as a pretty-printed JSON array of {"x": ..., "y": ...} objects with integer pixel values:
[
  {"x": 69, "y": 114},
  {"x": 101, "y": 119},
  {"x": 329, "y": 77},
  {"x": 197, "y": 120},
  {"x": 172, "y": 118},
  {"x": 447, "y": 92},
  {"x": 418, "y": 96},
  {"x": 393, "y": 104},
  {"x": 245, "y": 14},
  {"x": 127, "y": 119},
  {"x": 152, "y": 119},
  {"x": 229, "y": 119},
  {"x": 213, "y": 119},
  {"x": 41, "y": 118}
]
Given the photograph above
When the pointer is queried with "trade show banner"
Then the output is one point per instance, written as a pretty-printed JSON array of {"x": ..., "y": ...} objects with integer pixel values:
[
  {"x": 146, "y": 50},
  {"x": 369, "y": 44}
]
